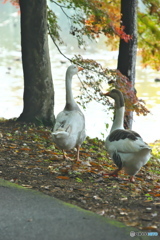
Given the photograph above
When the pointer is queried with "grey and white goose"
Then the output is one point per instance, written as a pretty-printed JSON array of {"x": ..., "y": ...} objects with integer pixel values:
[
  {"x": 126, "y": 147},
  {"x": 69, "y": 128}
]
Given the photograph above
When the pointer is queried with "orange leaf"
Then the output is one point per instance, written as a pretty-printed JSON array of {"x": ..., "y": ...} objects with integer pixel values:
[
  {"x": 85, "y": 154},
  {"x": 157, "y": 195},
  {"x": 92, "y": 171},
  {"x": 140, "y": 179},
  {"x": 94, "y": 164},
  {"x": 39, "y": 161},
  {"x": 62, "y": 177},
  {"x": 64, "y": 170},
  {"x": 106, "y": 176}
]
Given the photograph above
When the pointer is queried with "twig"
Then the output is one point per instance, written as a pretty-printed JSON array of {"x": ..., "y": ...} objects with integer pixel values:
[
  {"x": 62, "y": 8},
  {"x": 58, "y": 46}
]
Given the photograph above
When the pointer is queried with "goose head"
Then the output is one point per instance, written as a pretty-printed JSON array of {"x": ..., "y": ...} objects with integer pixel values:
[
  {"x": 73, "y": 69},
  {"x": 119, "y": 109},
  {"x": 117, "y": 96}
]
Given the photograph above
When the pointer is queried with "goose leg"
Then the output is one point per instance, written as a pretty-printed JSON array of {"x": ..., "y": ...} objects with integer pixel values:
[
  {"x": 78, "y": 153},
  {"x": 64, "y": 155},
  {"x": 131, "y": 179},
  {"x": 67, "y": 158},
  {"x": 114, "y": 173}
]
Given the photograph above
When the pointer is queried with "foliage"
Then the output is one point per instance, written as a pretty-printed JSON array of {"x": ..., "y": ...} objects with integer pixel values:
[
  {"x": 13, "y": 2},
  {"x": 93, "y": 18},
  {"x": 156, "y": 150},
  {"x": 53, "y": 26},
  {"x": 149, "y": 34},
  {"x": 98, "y": 80}
]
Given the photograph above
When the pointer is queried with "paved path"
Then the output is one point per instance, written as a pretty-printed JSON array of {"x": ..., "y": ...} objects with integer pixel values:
[{"x": 29, "y": 215}]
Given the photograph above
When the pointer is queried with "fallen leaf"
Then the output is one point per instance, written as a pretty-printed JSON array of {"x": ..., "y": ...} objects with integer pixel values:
[
  {"x": 91, "y": 171},
  {"x": 156, "y": 195},
  {"x": 139, "y": 179},
  {"x": 85, "y": 154},
  {"x": 154, "y": 227},
  {"x": 106, "y": 176},
  {"x": 154, "y": 214},
  {"x": 87, "y": 163},
  {"x": 56, "y": 157},
  {"x": 148, "y": 209},
  {"x": 26, "y": 186},
  {"x": 123, "y": 213},
  {"x": 94, "y": 164},
  {"x": 39, "y": 161},
  {"x": 123, "y": 199},
  {"x": 132, "y": 224},
  {"x": 25, "y": 149},
  {"x": 101, "y": 212},
  {"x": 156, "y": 203},
  {"x": 12, "y": 147},
  {"x": 64, "y": 170},
  {"x": 45, "y": 187},
  {"x": 63, "y": 177},
  {"x": 97, "y": 197}
]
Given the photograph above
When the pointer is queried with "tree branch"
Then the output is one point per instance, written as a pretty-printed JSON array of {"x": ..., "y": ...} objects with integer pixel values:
[
  {"x": 57, "y": 45},
  {"x": 62, "y": 9}
]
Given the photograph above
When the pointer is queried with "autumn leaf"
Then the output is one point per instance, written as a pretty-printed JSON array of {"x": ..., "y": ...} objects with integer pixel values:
[
  {"x": 150, "y": 228},
  {"x": 63, "y": 177}
]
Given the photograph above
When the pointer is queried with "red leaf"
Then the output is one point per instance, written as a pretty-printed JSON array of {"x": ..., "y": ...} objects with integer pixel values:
[{"x": 63, "y": 177}]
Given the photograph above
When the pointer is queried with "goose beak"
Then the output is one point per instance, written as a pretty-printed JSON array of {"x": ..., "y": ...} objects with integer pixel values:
[
  {"x": 80, "y": 69},
  {"x": 106, "y": 94}
]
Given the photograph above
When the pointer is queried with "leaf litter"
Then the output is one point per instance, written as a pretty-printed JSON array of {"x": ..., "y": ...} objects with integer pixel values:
[{"x": 29, "y": 158}]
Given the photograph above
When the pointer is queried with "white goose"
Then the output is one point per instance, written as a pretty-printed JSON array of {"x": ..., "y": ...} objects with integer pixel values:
[
  {"x": 126, "y": 147},
  {"x": 69, "y": 128}
]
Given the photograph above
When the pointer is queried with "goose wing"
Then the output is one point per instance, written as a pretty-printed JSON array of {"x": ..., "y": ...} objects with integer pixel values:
[
  {"x": 125, "y": 141},
  {"x": 69, "y": 122}
]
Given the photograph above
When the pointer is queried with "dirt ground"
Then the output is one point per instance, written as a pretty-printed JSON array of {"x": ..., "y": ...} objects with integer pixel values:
[{"x": 29, "y": 158}]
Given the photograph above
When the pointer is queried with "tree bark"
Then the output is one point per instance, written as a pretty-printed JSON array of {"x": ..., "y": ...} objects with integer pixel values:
[
  {"x": 38, "y": 85},
  {"x": 127, "y": 50}
]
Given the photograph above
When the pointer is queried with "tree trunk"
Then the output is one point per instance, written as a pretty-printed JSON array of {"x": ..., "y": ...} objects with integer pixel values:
[
  {"x": 38, "y": 86},
  {"x": 127, "y": 50}
]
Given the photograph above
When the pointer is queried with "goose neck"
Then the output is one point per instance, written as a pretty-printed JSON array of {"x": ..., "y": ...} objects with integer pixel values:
[
  {"x": 69, "y": 94},
  {"x": 119, "y": 119}
]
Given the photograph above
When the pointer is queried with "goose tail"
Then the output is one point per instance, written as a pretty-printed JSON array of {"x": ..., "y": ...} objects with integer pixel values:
[{"x": 60, "y": 134}]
